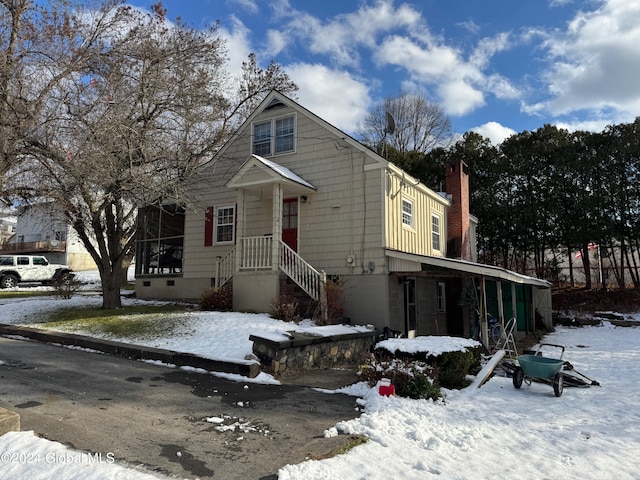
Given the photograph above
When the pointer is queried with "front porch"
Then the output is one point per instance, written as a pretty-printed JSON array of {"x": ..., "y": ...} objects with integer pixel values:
[
  {"x": 256, "y": 265},
  {"x": 257, "y": 261}
]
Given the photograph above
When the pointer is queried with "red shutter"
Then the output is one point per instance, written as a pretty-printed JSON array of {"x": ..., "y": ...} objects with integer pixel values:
[{"x": 208, "y": 227}]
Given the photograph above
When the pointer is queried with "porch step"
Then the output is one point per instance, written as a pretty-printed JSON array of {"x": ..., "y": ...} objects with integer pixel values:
[{"x": 307, "y": 306}]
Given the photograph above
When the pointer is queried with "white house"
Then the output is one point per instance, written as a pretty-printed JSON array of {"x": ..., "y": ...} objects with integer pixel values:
[{"x": 42, "y": 229}]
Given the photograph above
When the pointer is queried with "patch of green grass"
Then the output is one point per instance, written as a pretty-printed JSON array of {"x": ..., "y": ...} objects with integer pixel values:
[
  {"x": 25, "y": 293},
  {"x": 351, "y": 442},
  {"x": 139, "y": 321}
]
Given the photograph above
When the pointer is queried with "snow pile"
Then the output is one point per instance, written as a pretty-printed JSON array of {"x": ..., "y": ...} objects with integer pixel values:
[
  {"x": 500, "y": 432},
  {"x": 433, "y": 345},
  {"x": 25, "y": 456},
  {"x": 495, "y": 432}
]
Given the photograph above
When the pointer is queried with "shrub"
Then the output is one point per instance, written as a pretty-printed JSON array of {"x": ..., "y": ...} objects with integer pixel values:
[
  {"x": 66, "y": 285},
  {"x": 453, "y": 367},
  {"x": 218, "y": 299},
  {"x": 450, "y": 369},
  {"x": 411, "y": 378},
  {"x": 335, "y": 300},
  {"x": 285, "y": 309}
]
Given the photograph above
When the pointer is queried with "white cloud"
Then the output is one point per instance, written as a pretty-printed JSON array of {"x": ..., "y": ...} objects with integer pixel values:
[
  {"x": 249, "y": 5},
  {"x": 276, "y": 43},
  {"x": 594, "y": 64},
  {"x": 335, "y": 96},
  {"x": 494, "y": 131},
  {"x": 238, "y": 44},
  {"x": 460, "y": 98},
  {"x": 341, "y": 37}
]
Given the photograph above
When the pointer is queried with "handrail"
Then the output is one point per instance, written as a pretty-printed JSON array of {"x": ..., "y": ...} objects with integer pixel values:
[
  {"x": 301, "y": 272},
  {"x": 256, "y": 255},
  {"x": 225, "y": 268}
]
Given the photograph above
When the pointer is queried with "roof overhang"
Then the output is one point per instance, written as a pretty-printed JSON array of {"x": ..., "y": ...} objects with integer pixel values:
[
  {"x": 258, "y": 172},
  {"x": 464, "y": 267}
]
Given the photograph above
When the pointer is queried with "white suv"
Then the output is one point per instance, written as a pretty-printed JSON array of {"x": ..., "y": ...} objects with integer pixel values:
[{"x": 16, "y": 269}]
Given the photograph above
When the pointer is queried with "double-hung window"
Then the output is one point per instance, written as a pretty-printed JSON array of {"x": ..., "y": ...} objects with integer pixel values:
[
  {"x": 225, "y": 224},
  {"x": 407, "y": 212},
  {"x": 262, "y": 138},
  {"x": 274, "y": 136},
  {"x": 435, "y": 231}
]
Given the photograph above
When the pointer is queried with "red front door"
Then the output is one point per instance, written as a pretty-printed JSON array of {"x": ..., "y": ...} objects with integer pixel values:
[{"x": 290, "y": 223}]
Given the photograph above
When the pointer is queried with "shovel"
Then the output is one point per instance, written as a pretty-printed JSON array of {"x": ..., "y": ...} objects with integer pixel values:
[{"x": 568, "y": 366}]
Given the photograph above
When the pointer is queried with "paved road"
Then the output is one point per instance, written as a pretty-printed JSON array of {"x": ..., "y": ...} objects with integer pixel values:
[{"x": 155, "y": 415}]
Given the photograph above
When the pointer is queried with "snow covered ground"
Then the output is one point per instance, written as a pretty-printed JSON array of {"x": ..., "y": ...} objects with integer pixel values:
[{"x": 495, "y": 432}]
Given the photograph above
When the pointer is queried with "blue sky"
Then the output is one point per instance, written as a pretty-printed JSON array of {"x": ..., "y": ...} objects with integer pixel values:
[{"x": 495, "y": 66}]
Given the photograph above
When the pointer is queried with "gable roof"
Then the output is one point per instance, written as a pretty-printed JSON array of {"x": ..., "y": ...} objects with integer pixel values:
[
  {"x": 259, "y": 171},
  {"x": 275, "y": 98}
]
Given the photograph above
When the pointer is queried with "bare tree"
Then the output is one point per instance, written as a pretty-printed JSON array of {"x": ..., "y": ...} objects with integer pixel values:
[
  {"x": 408, "y": 122},
  {"x": 123, "y": 107}
]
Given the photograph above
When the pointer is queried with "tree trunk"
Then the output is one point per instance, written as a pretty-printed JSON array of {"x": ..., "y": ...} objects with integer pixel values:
[
  {"x": 111, "y": 283},
  {"x": 611, "y": 255},
  {"x": 631, "y": 263},
  {"x": 586, "y": 263},
  {"x": 572, "y": 282}
]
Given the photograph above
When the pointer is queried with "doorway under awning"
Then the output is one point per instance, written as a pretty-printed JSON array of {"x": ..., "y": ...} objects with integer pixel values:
[
  {"x": 264, "y": 190},
  {"x": 502, "y": 293}
]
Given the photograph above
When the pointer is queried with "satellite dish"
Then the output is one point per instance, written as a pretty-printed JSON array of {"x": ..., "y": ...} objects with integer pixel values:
[{"x": 390, "y": 123}]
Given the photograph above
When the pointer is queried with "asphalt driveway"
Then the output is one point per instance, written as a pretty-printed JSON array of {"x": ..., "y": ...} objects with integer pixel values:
[{"x": 171, "y": 421}]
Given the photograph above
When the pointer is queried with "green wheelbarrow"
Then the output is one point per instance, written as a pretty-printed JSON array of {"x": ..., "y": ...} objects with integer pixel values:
[{"x": 536, "y": 368}]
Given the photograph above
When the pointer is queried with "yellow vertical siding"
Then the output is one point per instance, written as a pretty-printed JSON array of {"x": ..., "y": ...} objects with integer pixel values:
[{"x": 416, "y": 238}]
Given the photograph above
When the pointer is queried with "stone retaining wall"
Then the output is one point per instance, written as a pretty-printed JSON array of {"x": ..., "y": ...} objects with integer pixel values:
[{"x": 304, "y": 351}]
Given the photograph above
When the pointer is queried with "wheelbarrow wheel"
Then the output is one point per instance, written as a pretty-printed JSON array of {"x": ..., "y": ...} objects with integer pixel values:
[
  {"x": 558, "y": 384},
  {"x": 518, "y": 377}
]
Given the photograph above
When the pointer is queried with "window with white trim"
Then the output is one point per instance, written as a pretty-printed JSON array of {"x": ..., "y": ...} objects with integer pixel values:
[
  {"x": 224, "y": 227},
  {"x": 435, "y": 231},
  {"x": 441, "y": 298},
  {"x": 407, "y": 212},
  {"x": 274, "y": 136},
  {"x": 262, "y": 138}
]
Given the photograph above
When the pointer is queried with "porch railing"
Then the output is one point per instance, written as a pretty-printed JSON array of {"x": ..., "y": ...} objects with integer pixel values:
[
  {"x": 33, "y": 247},
  {"x": 256, "y": 253}
]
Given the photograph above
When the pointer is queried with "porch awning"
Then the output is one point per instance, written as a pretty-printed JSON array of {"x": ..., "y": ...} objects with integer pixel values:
[
  {"x": 258, "y": 171},
  {"x": 411, "y": 263}
]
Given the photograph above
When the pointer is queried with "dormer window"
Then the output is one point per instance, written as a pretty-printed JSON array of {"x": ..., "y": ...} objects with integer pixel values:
[{"x": 274, "y": 136}]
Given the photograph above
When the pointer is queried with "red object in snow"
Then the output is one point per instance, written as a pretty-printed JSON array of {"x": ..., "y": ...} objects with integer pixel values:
[{"x": 386, "y": 388}]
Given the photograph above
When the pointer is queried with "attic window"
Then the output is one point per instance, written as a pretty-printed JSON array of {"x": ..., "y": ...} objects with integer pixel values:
[{"x": 274, "y": 136}]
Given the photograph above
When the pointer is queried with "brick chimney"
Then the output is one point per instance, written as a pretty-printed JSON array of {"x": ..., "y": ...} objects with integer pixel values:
[{"x": 457, "y": 185}]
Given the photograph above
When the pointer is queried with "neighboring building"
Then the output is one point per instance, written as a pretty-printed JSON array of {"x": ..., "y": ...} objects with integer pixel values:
[
  {"x": 291, "y": 193},
  {"x": 7, "y": 227},
  {"x": 42, "y": 230}
]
